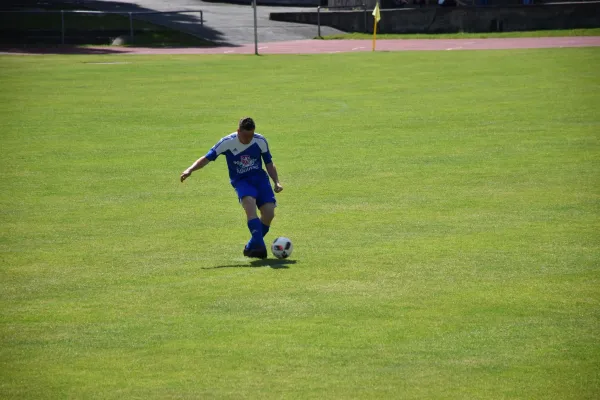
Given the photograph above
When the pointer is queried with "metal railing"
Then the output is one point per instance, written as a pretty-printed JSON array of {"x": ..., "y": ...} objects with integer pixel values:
[
  {"x": 131, "y": 14},
  {"x": 351, "y": 8}
]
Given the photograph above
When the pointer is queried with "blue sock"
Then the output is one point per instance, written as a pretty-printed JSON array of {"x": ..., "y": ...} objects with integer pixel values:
[
  {"x": 265, "y": 229},
  {"x": 255, "y": 228}
]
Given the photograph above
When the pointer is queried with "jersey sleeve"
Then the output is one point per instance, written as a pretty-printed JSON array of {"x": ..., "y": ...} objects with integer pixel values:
[
  {"x": 212, "y": 154},
  {"x": 264, "y": 151},
  {"x": 267, "y": 158},
  {"x": 217, "y": 150}
]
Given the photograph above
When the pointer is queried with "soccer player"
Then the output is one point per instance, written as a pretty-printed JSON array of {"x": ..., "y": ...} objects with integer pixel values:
[{"x": 243, "y": 151}]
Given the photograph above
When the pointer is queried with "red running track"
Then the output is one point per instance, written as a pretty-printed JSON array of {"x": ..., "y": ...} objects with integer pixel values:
[{"x": 334, "y": 46}]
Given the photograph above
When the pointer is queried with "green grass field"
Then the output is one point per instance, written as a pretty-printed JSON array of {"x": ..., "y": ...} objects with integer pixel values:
[{"x": 444, "y": 208}]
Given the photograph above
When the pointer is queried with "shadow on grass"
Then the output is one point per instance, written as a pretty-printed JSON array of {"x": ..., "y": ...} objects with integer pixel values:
[
  {"x": 60, "y": 49},
  {"x": 269, "y": 262},
  {"x": 40, "y": 23}
]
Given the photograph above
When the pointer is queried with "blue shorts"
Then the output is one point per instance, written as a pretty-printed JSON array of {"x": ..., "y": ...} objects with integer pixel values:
[{"x": 257, "y": 186}]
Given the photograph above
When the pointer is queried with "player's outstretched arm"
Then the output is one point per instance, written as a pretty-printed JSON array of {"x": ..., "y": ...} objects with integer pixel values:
[
  {"x": 199, "y": 163},
  {"x": 272, "y": 171}
]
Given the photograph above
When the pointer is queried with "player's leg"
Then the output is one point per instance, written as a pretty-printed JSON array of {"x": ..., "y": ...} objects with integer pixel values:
[
  {"x": 254, "y": 224},
  {"x": 267, "y": 213},
  {"x": 249, "y": 205},
  {"x": 247, "y": 194},
  {"x": 266, "y": 203}
]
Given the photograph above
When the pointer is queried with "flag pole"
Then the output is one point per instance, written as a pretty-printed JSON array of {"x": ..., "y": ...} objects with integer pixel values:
[
  {"x": 374, "y": 34},
  {"x": 376, "y": 18}
]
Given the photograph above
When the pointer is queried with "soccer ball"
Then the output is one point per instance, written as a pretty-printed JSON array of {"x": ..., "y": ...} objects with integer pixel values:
[{"x": 282, "y": 247}]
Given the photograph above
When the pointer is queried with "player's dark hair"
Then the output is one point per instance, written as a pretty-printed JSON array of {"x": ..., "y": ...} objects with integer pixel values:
[{"x": 247, "y": 124}]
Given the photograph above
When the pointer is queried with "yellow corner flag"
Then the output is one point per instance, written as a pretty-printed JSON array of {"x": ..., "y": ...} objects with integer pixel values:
[{"x": 376, "y": 18}]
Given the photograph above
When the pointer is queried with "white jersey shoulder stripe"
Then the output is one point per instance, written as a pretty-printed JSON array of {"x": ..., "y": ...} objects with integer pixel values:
[
  {"x": 261, "y": 142},
  {"x": 227, "y": 143}
]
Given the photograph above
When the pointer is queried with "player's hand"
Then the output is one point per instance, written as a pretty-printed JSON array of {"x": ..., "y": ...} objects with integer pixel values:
[
  {"x": 185, "y": 174},
  {"x": 277, "y": 187}
]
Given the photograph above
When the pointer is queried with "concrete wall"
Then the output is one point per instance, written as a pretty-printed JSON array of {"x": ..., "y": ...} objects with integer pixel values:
[
  {"x": 293, "y": 3},
  {"x": 389, "y": 4},
  {"x": 458, "y": 19}
]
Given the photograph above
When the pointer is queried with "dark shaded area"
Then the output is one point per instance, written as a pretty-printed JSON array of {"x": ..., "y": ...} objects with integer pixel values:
[
  {"x": 428, "y": 20},
  {"x": 269, "y": 262},
  {"x": 29, "y": 26},
  {"x": 58, "y": 49}
]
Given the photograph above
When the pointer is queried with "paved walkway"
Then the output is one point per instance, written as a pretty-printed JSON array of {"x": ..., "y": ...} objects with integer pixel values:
[{"x": 225, "y": 24}]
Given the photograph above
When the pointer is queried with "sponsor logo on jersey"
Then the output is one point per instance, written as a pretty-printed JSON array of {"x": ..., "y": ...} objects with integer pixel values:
[
  {"x": 246, "y": 164},
  {"x": 247, "y": 161}
]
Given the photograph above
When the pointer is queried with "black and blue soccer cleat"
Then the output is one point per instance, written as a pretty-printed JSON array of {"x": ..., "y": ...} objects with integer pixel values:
[{"x": 255, "y": 253}]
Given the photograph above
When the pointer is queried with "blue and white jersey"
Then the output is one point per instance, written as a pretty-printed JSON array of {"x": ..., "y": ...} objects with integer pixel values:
[{"x": 243, "y": 160}]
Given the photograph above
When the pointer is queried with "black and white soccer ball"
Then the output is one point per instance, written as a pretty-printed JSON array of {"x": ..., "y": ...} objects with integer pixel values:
[{"x": 282, "y": 247}]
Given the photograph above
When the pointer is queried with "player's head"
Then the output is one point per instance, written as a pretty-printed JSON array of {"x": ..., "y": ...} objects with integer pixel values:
[{"x": 246, "y": 130}]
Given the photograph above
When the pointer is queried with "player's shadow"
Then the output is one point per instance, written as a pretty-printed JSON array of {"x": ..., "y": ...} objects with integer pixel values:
[{"x": 269, "y": 262}]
